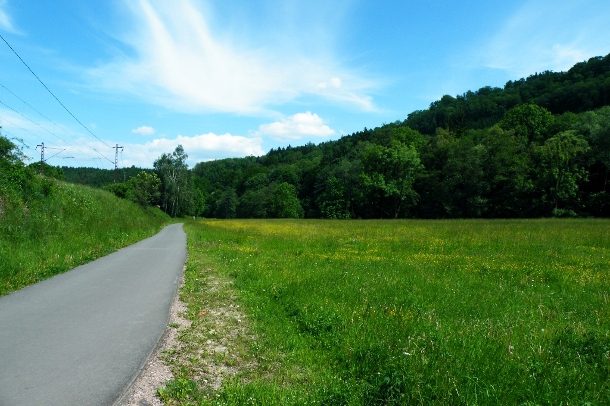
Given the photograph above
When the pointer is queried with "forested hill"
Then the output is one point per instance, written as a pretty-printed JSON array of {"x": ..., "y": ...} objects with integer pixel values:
[
  {"x": 584, "y": 87},
  {"x": 98, "y": 177},
  {"x": 537, "y": 147}
]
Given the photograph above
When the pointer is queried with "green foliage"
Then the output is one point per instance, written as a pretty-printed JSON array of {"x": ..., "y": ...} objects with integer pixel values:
[
  {"x": 226, "y": 205},
  {"x": 119, "y": 189},
  {"x": 388, "y": 176},
  {"x": 19, "y": 185},
  {"x": 584, "y": 87},
  {"x": 47, "y": 170},
  {"x": 528, "y": 120},
  {"x": 507, "y": 168},
  {"x": 48, "y": 227},
  {"x": 284, "y": 201},
  {"x": 466, "y": 177},
  {"x": 68, "y": 227},
  {"x": 9, "y": 152},
  {"x": 487, "y": 153},
  {"x": 99, "y": 177},
  {"x": 177, "y": 194},
  {"x": 144, "y": 188},
  {"x": 277, "y": 200},
  {"x": 253, "y": 204},
  {"x": 560, "y": 156},
  {"x": 412, "y": 312},
  {"x": 179, "y": 389},
  {"x": 332, "y": 200},
  {"x": 481, "y": 154}
]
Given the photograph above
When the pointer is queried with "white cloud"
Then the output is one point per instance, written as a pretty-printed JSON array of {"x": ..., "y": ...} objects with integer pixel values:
[
  {"x": 32, "y": 132},
  {"x": 547, "y": 35},
  {"x": 13, "y": 122},
  {"x": 6, "y": 23},
  {"x": 143, "y": 130},
  {"x": 182, "y": 62},
  {"x": 296, "y": 127},
  {"x": 87, "y": 151},
  {"x": 201, "y": 147}
]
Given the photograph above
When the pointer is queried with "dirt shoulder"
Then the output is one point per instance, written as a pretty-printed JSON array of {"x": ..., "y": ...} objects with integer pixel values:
[{"x": 208, "y": 343}]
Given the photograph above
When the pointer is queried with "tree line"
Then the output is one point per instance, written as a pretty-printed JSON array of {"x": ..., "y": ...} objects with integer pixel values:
[{"x": 537, "y": 147}]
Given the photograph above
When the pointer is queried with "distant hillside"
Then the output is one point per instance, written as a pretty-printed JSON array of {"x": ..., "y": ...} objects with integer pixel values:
[
  {"x": 98, "y": 177},
  {"x": 538, "y": 147},
  {"x": 586, "y": 86},
  {"x": 48, "y": 226}
]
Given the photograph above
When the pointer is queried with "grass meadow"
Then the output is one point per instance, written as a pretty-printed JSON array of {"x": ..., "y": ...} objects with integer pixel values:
[
  {"x": 71, "y": 226},
  {"x": 409, "y": 312}
]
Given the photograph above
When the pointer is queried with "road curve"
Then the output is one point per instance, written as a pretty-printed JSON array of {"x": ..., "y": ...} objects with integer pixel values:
[{"x": 81, "y": 337}]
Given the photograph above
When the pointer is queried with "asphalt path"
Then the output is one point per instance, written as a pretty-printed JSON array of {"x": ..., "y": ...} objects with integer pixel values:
[{"x": 80, "y": 338}]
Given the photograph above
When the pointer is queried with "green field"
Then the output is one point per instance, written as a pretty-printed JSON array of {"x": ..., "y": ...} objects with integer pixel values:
[
  {"x": 71, "y": 225},
  {"x": 407, "y": 312}
]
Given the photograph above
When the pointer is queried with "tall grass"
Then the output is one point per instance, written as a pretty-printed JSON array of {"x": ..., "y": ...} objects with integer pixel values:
[
  {"x": 415, "y": 312},
  {"x": 66, "y": 226}
]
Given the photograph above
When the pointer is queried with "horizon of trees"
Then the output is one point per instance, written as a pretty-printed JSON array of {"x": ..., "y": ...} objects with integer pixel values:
[{"x": 537, "y": 147}]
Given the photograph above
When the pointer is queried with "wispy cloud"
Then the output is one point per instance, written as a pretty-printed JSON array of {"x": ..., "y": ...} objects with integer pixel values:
[
  {"x": 86, "y": 151},
  {"x": 548, "y": 35},
  {"x": 6, "y": 23},
  {"x": 21, "y": 126},
  {"x": 180, "y": 61},
  {"x": 144, "y": 130},
  {"x": 296, "y": 127},
  {"x": 14, "y": 122}
]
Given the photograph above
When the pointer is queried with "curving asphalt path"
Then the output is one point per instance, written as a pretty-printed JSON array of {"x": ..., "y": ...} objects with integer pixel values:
[{"x": 80, "y": 338}]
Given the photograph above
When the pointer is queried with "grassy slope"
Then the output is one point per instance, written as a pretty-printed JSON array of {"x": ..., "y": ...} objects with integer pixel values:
[
  {"x": 424, "y": 312},
  {"x": 71, "y": 226}
]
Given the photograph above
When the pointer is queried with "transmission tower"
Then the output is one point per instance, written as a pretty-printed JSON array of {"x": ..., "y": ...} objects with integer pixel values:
[
  {"x": 42, "y": 148},
  {"x": 116, "y": 159}
]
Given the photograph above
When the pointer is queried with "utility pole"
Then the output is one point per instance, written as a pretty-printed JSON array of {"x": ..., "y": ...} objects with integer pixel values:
[
  {"x": 42, "y": 147},
  {"x": 116, "y": 159}
]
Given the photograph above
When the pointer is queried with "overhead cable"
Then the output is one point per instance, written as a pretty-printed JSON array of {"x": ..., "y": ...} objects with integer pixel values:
[{"x": 51, "y": 93}]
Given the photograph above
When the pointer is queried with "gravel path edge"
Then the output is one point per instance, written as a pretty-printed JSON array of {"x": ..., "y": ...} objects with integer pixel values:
[{"x": 154, "y": 373}]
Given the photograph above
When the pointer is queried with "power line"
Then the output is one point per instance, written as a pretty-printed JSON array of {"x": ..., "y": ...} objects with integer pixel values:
[
  {"x": 123, "y": 165},
  {"x": 32, "y": 121},
  {"x": 43, "y": 160},
  {"x": 43, "y": 116},
  {"x": 47, "y": 130},
  {"x": 11, "y": 120},
  {"x": 24, "y": 145},
  {"x": 55, "y": 154},
  {"x": 58, "y": 101},
  {"x": 52, "y": 94},
  {"x": 30, "y": 106}
]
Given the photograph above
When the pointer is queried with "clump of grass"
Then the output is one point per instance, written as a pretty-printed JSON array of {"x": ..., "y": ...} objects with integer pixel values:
[
  {"x": 179, "y": 389},
  {"x": 63, "y": 227},
  {"x": 415, "y": 312}
]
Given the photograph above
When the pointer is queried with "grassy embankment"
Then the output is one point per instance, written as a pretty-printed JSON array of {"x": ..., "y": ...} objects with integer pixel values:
[
  {"x": 405, "y": 312},
  {"x": 62, "y": 226}
]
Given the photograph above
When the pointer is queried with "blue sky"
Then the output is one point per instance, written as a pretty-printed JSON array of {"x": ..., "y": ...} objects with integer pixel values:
[{"x": 236, "y": 78}]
